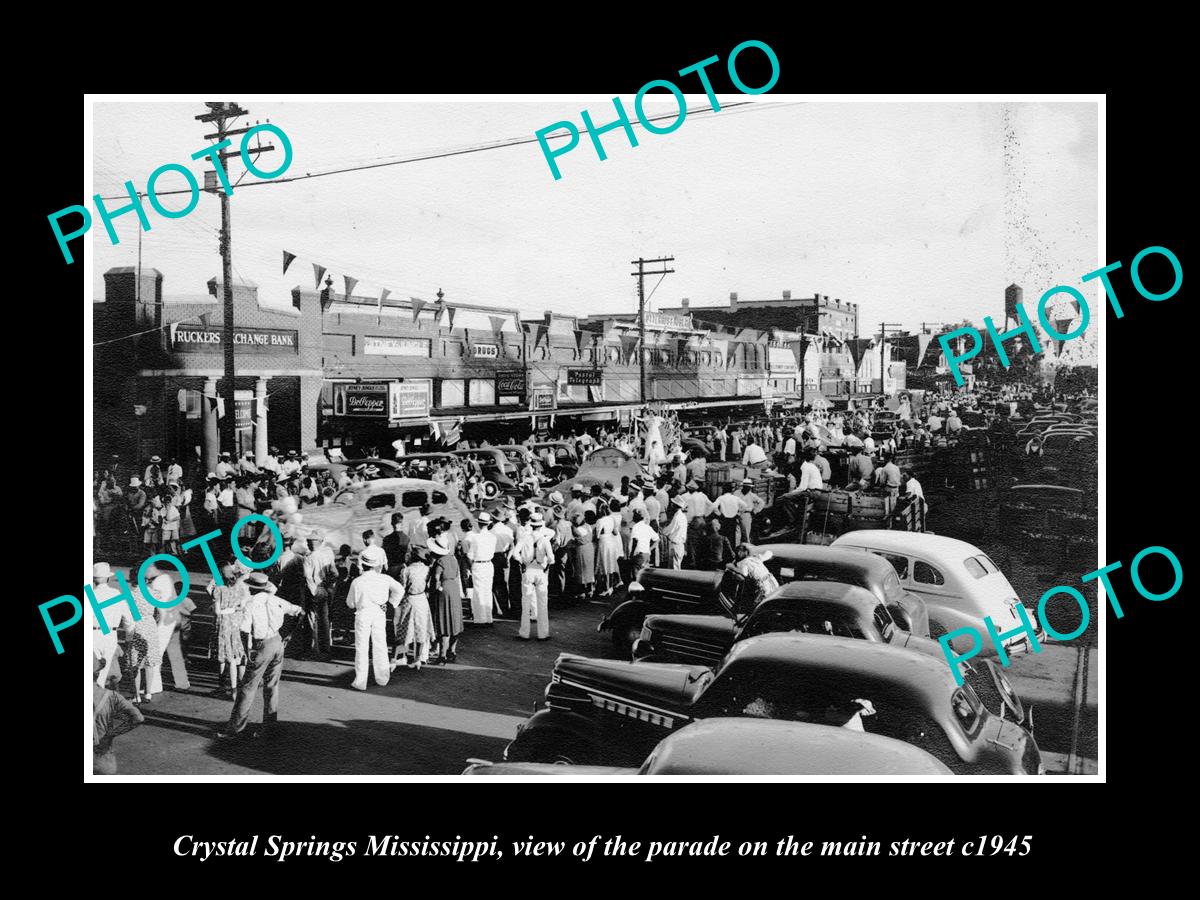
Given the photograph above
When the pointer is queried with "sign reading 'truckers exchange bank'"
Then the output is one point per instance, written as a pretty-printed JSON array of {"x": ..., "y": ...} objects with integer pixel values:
[{"x": 198, "y": 339}]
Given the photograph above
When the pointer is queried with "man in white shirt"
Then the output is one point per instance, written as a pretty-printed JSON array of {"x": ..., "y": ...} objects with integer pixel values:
[
  {"x": 643, "y": 541},
  {"x": 226, "y": 468},
  {"x": 752, "y": 505},
  {"x": 755, "y": 455},
  {"x": 698, "y": 504},
  {"x": 536, "y": 556},
  {"x": 810, "y": 475},
  {"x": 270, "y": 462},
  {"x": 729, "y": 510},
  {"x": 789, "y": 448},
  {"x": 262, "y": 618},
  {"x": 480, "y": 546},
  {"x": 369, "y": 595}
]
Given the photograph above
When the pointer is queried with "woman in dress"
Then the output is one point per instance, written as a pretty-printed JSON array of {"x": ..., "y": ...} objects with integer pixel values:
[
  {"x": 608, "y": 549},
  {"x": 583, "y": 554},
  {"x": 142, "y": 651},
  {"x": 445, "y": 592},
  {"x": 415, "y": 628},
  {"x": 228, "y": 603}
]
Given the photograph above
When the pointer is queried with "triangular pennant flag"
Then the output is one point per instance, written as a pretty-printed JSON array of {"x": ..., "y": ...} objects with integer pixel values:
[
  {"x": 578, "y": 344},
  {"x": 319, "y": 272},
  {"x": 383, "y": 296},
  {"x": 629, "y": 344},
  {"x": 1075, "y": 303},
  {"x": 205, "y": 318},
  {"x": 417, "y": 305},
  {"x": 288, "y": 259},
  {"x": 350, "y": 283},
  {"x": 449, "y": 316},
  {"x": 542, "y": 332},
  {"x": 497, "y": 326}
]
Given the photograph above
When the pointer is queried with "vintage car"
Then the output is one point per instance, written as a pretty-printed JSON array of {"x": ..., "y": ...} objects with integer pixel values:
[
  {"x": 749, "y": 746},
  {"x": 809, "y": 607},
  {"x": 604, "y": 712},
  {"x": 605, "y": 464},
  {"x": 373, "y": 467},
  {"x": 708, "y": 593},
  {"x": 368, "y": 505},
  {"x": 496, "y": 467},
  {"x": 958, "y": 582}
]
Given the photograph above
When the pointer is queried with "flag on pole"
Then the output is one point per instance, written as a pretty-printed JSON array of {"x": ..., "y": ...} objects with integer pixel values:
[
  {"x": 288, "y": 259},
  {"x": 319, "y": 272}
]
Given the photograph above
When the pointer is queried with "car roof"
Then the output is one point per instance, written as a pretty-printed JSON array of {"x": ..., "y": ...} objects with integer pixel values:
[
  {"x": 829, "y": 593},
  {"x": 749, "y": 746},
  {"x": 857, "y": 665},
  {"x": 909, "y": 541}
]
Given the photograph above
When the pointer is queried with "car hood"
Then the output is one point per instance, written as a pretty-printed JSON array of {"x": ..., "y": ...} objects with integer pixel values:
[
  {"x": 664, "y": 685},
  {"x": 693, "y": 581},
  {"x": 707, "y": 629}
]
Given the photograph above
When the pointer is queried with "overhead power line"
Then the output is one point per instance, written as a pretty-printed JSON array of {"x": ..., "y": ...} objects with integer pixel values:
[{"x": 477, "y": 148}]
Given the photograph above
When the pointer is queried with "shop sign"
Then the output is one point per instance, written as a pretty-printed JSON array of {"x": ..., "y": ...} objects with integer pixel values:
[
  {"x": 410, "y": 399},
  {"x": 510, "y": 383},
  {"x": 201, "y": 339},
  {"x": 585, "y": 377}
]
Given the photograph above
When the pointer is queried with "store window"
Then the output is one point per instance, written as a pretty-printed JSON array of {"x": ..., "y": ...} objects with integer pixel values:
[
  {"x": 482, "y": 392},
  {"x": 452, "y": 392}
]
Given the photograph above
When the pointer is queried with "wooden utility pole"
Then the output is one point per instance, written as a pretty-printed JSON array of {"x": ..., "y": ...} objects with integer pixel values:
[
  {"x": 224, "y": 114},
  {"x": 640, "y": 275}
]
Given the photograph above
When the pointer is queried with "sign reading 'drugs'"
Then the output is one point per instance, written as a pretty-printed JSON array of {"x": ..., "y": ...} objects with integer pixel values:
[{"x": 197, "y": 338}]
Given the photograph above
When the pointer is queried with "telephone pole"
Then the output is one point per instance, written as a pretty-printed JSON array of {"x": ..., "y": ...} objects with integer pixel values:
[
  {"x": 641, "y": 274},
  {"x": 883, "y": 327},
  {"x": 224, "y": 115}
]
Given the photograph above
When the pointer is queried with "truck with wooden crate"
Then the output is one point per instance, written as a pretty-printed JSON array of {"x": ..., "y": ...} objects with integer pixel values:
[{"x": 819, "y": 516}]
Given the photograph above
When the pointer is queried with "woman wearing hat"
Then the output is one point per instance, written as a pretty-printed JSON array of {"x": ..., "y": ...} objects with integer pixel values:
[
  {"x": 228, "y": 603},
  {"x": 445, "y": 590},
  {"x": 414, "y": 621}
]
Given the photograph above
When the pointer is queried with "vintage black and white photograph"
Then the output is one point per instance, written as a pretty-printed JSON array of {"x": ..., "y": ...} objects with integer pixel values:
[{"x": 737, "y": 435}]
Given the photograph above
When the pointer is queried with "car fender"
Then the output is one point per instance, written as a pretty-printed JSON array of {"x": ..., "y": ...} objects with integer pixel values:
[
  {"x": 561, "y": 723},
  {"x": 630, "y": 609}
]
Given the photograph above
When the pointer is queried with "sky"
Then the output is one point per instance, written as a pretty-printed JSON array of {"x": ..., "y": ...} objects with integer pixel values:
[{"x": 919, "y": 212}]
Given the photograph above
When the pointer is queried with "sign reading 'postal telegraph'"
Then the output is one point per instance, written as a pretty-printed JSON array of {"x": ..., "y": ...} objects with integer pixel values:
[
  {"x": 197, "y": 338},
  {"x": 588, "y": 377}
]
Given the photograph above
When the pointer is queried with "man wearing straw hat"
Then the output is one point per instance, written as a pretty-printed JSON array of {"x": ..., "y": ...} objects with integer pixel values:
[
  {"x": 105, "y": 646},
  {"x": 262, "y": 621},
  {"x": 535, "y": 555}
]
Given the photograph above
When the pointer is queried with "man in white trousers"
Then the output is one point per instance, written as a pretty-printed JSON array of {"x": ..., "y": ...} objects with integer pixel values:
[
  {"x": 370, "y": 593},
  {"x": 171, "y": 622},
  {"x": 481, "y": 549},
  {"x": 536, "y": 555},
  {"x": 106, "y": 645}
]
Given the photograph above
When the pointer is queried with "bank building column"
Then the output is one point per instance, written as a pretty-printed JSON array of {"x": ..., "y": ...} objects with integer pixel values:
[{"x": 208, "y": 412}]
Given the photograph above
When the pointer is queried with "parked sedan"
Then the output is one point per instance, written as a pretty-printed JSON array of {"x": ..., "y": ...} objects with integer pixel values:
[
  {"x": 958, "y": 582},
  {"x": 746, "y": 746},
  {"x": 698, "y": 591},
  {"x": 603, "y": 712},
  {"x": 809, "y": 607}
]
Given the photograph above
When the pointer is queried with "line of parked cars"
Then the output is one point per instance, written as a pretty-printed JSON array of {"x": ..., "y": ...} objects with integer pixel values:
[{"x": 847, "y": 642}]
